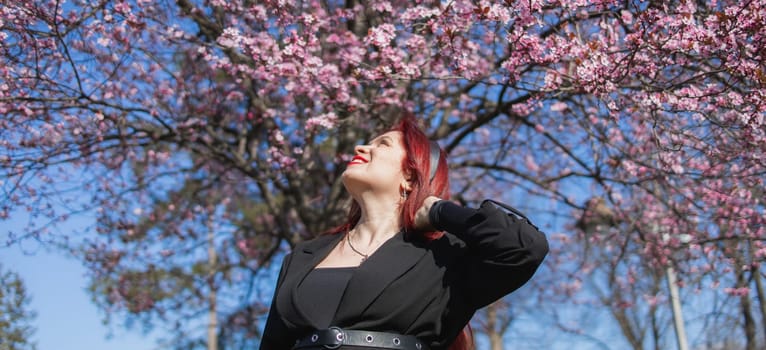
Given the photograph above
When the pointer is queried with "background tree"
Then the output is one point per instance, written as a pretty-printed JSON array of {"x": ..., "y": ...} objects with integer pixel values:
[
  {"x": 16, "y": 329},
  {"x": 169, "y": 121}
]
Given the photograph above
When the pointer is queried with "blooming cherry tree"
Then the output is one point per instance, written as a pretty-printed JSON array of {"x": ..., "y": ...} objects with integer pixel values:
[{"x": 206, "y": 137}]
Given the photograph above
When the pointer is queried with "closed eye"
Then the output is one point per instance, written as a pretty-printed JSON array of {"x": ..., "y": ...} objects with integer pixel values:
[{"x": 386, "y": 141}]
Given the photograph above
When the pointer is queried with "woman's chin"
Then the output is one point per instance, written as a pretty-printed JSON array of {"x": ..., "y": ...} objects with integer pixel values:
[
  {"x": 351, "y": 180},
  {"x": 357, "y": 185}
]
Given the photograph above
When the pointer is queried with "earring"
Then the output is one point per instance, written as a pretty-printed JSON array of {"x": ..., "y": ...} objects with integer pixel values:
[{"x": 404, "y": 194}]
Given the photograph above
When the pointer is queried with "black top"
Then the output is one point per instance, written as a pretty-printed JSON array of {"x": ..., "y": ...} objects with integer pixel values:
[
  {"x": 429, "y": 289},
  {"x": 319, "y": 294}
]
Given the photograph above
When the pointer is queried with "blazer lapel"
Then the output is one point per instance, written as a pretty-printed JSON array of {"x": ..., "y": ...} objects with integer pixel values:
[
  {"x": 304, "y": 258},
  {"x": 310, "y": 254},
  {"x": 390, "y": 261}
]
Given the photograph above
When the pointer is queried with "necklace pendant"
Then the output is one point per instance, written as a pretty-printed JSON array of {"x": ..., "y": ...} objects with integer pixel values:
[{"x": 348, "y": 241}]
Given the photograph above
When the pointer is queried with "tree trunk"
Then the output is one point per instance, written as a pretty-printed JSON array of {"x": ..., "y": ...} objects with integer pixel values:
[
  {"x": 747, "y": 313},
  {"x": 495, "y": 337},
  {"x": 759, "y": 290},
  {"x": 212, "y": 326},
  {"x": 654, "y": 321},
  {"x": 629, "y": 330}
]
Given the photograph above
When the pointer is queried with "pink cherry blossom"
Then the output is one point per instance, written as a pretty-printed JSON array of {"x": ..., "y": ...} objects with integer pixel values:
[{"x": 238, "y": 115}]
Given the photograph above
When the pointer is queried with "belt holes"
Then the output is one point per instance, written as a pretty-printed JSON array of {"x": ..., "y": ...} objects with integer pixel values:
[
  {"x": 314, "y": 338},
  {"x": 397, "y": 341},
  {"x": 368, "y": 338}
]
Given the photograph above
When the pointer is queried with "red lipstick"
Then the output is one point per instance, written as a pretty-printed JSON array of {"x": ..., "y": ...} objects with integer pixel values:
[{"x": 357, "y": 160}]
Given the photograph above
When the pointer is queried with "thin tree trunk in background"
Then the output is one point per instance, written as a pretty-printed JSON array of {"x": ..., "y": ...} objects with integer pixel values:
[
  {"x": 629, "y": 330},
  {"x": 495, "y": 337},
  {"x": 747, "y": 313},
  {"x": 212, "y": 327},
  {"x": 759, "y": 290},
  {"x": 654, "y": 322},
  {"x": 656, "y": 334}
]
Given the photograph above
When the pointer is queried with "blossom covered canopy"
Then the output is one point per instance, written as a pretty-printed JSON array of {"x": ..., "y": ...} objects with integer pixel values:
[{"x": 175, "y": 118}]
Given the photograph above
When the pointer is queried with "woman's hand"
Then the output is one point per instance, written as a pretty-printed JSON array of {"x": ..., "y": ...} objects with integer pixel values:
[{"x": 422, "y": 222}]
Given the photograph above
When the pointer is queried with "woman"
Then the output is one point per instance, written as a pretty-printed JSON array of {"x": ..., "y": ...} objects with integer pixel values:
[{"x": 388, "y": 278}]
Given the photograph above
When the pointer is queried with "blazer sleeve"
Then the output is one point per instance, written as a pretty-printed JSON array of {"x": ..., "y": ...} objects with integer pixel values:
[
  {"x": 276, "y": 336},
  {"x": 503, "y": 250}
]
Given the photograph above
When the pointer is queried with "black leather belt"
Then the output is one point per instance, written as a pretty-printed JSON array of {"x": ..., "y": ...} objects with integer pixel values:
[{"x": 334, "y": 338}]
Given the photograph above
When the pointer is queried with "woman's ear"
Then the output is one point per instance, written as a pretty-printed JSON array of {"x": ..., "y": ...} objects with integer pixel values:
[{"x": 405, "y": 186}]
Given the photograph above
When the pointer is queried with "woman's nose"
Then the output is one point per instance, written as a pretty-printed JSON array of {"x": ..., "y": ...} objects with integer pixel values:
[{"x": 361, "y": 149}]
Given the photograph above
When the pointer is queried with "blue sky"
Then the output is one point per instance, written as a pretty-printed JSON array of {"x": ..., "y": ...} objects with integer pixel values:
[{"x": 66, "y": 318}]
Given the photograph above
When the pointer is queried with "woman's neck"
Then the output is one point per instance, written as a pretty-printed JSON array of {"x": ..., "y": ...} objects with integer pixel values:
[{"x": 380, "y": 220}]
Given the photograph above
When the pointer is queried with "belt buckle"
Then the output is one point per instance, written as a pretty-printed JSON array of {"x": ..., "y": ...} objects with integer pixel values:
[{"x": 339, "y": 337}]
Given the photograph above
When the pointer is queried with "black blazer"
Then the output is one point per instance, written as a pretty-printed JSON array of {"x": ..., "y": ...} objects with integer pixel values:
[{"x": 429, "y": 289}]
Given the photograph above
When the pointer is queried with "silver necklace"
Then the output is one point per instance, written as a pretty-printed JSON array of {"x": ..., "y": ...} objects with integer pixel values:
[{"x": 348, "y": 240}]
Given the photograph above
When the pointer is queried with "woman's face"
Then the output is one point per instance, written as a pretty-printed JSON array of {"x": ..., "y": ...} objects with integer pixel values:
[{"x": 377, "y": 166}]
